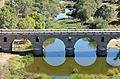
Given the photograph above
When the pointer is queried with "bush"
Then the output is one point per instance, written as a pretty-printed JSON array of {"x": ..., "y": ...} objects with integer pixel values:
[
  {"x": 113, "y": 72},
  {"x": 98, "y": 23}
]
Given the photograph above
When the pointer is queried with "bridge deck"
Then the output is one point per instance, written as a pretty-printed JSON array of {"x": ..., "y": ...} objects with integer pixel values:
[{"x": 56, "y": 30}]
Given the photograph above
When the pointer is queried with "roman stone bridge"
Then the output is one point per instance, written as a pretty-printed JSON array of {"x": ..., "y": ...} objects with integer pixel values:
[{"x": 69, "y": 37}]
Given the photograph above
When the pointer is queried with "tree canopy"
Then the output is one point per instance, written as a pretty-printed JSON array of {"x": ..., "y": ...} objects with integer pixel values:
[{"x": 8, "y": 18}]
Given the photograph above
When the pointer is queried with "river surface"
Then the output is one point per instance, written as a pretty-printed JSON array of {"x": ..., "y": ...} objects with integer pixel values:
[
  {"x": 63, "y": 15},
  {"x": 86, "y": 61}
]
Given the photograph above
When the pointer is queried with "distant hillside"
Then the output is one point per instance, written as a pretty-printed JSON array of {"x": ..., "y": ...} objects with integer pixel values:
[{"x": 2, "y": 3}]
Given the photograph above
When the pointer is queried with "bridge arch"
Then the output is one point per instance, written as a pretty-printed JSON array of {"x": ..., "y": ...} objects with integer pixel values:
[
  {"x": 54, "y": 49},
  {"x": 85, "y": 50},
  {"x": 113, "y": 51},
  {"x": 22, "y": 45}
]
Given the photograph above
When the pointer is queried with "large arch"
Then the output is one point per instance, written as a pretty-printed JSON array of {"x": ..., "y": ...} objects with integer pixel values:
[
  {"x": 85, "y": 51},
  {"x": 113, "y": 51},
  {"x": 54, "y": 49}
]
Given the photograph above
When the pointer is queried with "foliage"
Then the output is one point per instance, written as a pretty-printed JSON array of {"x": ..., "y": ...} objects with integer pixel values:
[
  {"x": 105, "y": 11},
  {"x": 55, "y": 25},
  {"x": 48, "y": 8},
  {"x": 75, "y": 70},
  {"x": 86, "y": 76},
  {"x": 8, "y": 19},
  {"x": 113, "y": 72},
  {"x": 26, "y": 23},
  {"x": 84, "y": 9},
  {"x": 39, "y": 20},
  {"x": 98, "y": 23},
  {"x": 21, "y": 6},
  {"x": 16, "y": 69}
]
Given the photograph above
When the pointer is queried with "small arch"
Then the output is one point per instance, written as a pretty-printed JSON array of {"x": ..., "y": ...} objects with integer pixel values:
[
  {"x": 102, "y": 39},
  {"x": 22, "y": 45},
  {"x": 37, "y": 39},
  {"x": 5, "y": 39},
  {"x": 85, "y": 51}
]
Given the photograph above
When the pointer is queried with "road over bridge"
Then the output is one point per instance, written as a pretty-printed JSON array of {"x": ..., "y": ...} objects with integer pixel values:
[{"x": 69, "y": 37}]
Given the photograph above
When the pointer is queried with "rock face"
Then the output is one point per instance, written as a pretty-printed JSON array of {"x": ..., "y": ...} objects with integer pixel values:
[{"x": 2, "y": 2}]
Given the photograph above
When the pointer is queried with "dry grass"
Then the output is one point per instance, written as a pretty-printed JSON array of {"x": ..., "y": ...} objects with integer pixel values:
[{"x": 2, "y": 3}]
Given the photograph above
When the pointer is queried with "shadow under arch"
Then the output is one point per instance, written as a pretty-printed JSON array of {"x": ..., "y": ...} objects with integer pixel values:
[
  {"x": 22, "y": 46},
  {"x": 113, "y": 52},
  {"x": 54, "y": 49},
  {"x": 85, "y": 51}
]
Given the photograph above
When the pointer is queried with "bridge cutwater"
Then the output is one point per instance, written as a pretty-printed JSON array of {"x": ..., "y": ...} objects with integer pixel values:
[{"x": 69, "y": 37}]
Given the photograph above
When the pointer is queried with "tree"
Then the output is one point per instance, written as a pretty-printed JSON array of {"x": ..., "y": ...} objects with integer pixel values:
[
  {"x": 8, "y": 18},
  {"x": 49, "y": 8},
  {"x": 22, "y": 6},
  {"x": 26, "y": 23},
  {"x": 84, "y": 9},
  {"x": 39, "y": 20},
  {"x": 98, "y": 23},
  {"x": 105, "y": 11}
]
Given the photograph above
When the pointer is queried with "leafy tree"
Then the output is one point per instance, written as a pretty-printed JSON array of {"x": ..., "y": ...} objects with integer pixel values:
[
  {"x": 105, "y": 11},
  {"x": 39, "y": 20},
  {"x": 8, "y": 18},
  {"x": 49, "y": 8},
  {"x": 84, "y": 9},
  {"x": 26, "y": 23},
  {"x": 98, "y": 23},
  {"x": 22, "y": 6}
]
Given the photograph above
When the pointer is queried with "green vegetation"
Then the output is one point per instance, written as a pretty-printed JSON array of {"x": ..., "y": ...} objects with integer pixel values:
[
  {"x": 106, "y": 12},
  {"x": 98, "y": 23},
  {"x": 8, "y": 19},
  {"x": 84, "y": 9},
  {"x": 28, "y": 14},
  {"x": 16, "y": 69},
  {"x": 111, "y": 72}
]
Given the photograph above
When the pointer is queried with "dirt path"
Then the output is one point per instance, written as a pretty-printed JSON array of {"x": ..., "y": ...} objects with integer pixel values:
[{"x": 4, "y": 57}]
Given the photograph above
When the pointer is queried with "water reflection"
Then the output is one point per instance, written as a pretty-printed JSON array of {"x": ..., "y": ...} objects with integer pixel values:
[
  {"x": 112, "y": 57},
  {"x": 85, "y": 61},
  {"x": 55, "y": 53},
  {"x": 63, "y": 15},
  {"x": 85, "y": 55}
]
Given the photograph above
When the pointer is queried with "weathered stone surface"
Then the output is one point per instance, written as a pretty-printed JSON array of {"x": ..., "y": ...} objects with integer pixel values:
[{"x": 102, "y": 37}]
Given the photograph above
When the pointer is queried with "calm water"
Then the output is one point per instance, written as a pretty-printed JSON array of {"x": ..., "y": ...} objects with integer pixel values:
[
  {"x": 63, "y": 15},
  {"x": 55, "y": 62}
]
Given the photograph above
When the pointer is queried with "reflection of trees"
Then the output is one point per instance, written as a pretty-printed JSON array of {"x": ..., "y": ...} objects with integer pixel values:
[
  {"x": 49, "y": 41},
  {"x": 92, "y": 42},
  {"x": 117, "y": 56}
]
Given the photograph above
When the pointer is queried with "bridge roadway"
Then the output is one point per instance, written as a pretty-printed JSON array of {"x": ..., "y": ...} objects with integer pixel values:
[{"x": 69, "y": 38}]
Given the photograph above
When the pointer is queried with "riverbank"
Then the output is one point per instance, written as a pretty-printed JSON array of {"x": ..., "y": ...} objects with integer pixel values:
[{"x": 13, "y": 67}]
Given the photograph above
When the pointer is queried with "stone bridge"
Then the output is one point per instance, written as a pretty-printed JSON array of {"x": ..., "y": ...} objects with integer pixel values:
[{"x": 69, "y": 37}]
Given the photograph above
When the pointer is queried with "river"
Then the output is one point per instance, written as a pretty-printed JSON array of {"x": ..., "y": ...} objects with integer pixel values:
[{"x": 86, "y": 61}]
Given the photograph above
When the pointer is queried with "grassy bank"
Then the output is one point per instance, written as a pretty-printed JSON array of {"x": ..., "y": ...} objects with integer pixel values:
[{"x": 15, "y": 69}]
